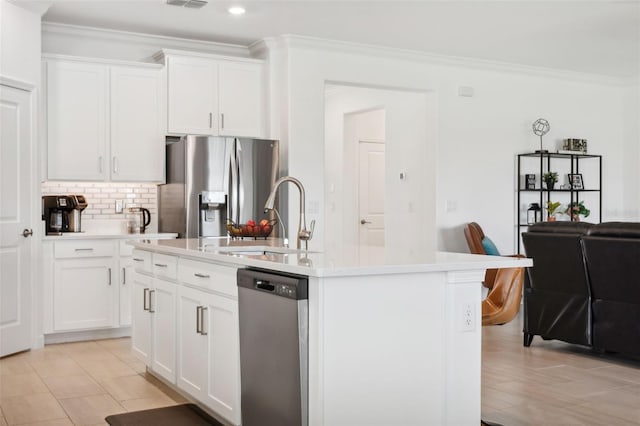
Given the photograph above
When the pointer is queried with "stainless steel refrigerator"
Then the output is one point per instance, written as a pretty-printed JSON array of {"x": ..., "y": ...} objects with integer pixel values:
[{"x": 211, "y": 180}]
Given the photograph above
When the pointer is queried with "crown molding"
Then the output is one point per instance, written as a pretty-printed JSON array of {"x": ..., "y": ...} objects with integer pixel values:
[
  {"x": 162, "y": 55},
  {"x": 292, "y": 41},
  {"x": 84, "y": 59},
  {"x": 145, "y": 39}
]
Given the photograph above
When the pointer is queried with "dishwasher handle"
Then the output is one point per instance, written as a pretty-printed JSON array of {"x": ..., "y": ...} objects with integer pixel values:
[{"x": 265, "y": 285}]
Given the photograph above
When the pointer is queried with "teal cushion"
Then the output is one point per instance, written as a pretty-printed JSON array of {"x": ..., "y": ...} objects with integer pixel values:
[{"x": 489, "y": 247}]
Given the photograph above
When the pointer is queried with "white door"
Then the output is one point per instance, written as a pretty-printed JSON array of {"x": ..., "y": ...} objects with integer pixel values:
[
  {"x": 371, "y": 190},
  {"x": 15, "y": 217}
]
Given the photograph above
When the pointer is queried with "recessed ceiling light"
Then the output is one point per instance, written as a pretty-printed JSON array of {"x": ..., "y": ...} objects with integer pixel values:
[{"x": 236, "y": 10}]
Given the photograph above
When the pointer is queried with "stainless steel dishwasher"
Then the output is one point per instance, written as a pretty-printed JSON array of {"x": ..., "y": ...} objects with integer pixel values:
[{"x": 274, "y": 330}]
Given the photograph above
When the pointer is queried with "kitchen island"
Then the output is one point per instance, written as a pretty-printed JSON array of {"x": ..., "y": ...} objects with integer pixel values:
[{"x": 394, "y": 337}]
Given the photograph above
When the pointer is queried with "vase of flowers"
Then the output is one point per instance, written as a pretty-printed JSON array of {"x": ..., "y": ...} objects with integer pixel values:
[{"x": 577, "y": 209}]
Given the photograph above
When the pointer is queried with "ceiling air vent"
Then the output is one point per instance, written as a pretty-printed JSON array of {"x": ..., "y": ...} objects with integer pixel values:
[{"x": 194, "y": 4}]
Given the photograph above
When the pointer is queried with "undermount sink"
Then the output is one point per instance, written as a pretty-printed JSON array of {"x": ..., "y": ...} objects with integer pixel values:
[{"x": 258, "y": 251}]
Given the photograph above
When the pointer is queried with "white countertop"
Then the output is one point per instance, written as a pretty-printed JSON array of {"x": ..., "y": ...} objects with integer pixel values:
[
  {"x": 105, "y": 235},
  {"x": 344, "y": 262}
]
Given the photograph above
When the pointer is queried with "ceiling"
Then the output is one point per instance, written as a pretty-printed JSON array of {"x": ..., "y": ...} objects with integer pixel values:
[{"x": 600, "y": 37}]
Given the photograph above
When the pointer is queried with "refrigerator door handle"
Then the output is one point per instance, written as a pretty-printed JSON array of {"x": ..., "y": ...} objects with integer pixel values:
[
  {"x": 234, "y": 199},
  {"x": 239, "y": 189}
]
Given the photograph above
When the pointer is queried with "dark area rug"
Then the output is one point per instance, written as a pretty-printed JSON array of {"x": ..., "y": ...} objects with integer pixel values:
[{"x": 183, "y": 415}]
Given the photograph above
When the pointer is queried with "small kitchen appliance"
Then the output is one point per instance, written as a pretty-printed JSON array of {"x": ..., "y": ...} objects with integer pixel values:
[
  {"x": 63, "y": 213},
  {"x": 138, "y": 218}
]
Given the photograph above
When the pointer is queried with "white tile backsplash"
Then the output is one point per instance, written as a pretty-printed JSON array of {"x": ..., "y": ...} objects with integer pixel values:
[{"x": 101, "y": 198}]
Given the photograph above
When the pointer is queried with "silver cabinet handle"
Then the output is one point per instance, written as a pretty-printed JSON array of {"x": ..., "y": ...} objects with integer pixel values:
[
  {"x": 100, "y": 165},
  {"x": 115, "y": 164},
  {"x": 202, "y": 311},
  {"x": 210, "y": 120},
  {"x": 109, "y": 275},
  {"x": 199, "y": 319},
  {"x": 222, "y": 121},
  {"x": 201, "y": 275},
  {"x": 27, "y": 232},
  {"x": 137, "y": 259},
  {"x": 84, "y": 249},
  {"x": 151, "y": 308},
  {"x": 145, "y": 306},
  {"x": 124, "y": 276},
  {"x": 161, "y": 265}
]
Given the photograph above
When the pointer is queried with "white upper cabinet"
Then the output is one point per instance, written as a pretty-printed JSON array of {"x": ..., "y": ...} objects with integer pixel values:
[
  {"x": 105, "y": 122},
  {"x": 137, "y": 139},
  {"x": 192, "y": 96},
  {"x": 240, "y": 99},
  {"x": 77, "y": 120},
  {"x": 211, "y": 95}
]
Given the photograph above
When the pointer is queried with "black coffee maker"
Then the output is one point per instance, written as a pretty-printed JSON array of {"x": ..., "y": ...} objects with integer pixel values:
[{"x": 63, "y": 213}]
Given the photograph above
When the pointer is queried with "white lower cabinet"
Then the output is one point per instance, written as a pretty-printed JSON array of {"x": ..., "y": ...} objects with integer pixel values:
[
  {"x": 141, "y": 317},
  {"x": 162, "y": 305},
  {"x": 208, "y": 350},
  {"x": 188, "y": 333},
  {"x": 84, "y": 291}
]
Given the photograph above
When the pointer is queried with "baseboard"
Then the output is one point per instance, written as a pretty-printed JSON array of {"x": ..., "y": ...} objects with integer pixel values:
[{"x": 79, "y": 336}]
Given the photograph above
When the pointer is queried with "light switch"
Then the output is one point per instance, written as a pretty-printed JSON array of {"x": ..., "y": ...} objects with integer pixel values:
[{"x": 119, "y": 206}]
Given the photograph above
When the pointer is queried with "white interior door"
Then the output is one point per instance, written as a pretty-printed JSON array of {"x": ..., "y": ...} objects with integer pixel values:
[
  {"x": 15, "y": 217},
  {"x": 371, "y": 188}
]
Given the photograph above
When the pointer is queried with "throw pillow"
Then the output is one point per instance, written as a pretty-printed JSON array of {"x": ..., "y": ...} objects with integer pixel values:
[{"x": 489, "y": 247}]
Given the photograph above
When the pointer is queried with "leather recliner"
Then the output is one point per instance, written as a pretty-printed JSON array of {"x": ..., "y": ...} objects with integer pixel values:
[
  {"x": 613, "y": 259},
  {"x": 557, "y": 295}
]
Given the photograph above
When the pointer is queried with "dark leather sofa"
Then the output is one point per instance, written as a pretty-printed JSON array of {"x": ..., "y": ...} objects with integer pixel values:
[
  {"x": 584, "y": 286},
  {"x": 557, "y": 296},
  {"x": 612, "y": 252}
]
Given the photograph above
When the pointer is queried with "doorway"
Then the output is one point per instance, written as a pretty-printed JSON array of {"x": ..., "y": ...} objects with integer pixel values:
[{"x": 402, "y": 191}]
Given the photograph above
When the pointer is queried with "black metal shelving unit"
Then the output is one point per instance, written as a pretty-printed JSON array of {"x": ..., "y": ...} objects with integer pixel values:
[{"x": 546, "y": 161}]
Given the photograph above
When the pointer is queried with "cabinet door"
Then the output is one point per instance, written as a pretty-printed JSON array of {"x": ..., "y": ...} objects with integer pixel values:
[
  {"x": 192, "y": 344},
  {"x": 241, "y": 99},
  {"x": 125, "y": 282},
  {"x": 192, "y": 96},
  {"x": 163, "y": 313},
  {"x": 223, "y": 384},
  {"x": 76, "y": 121},
  {"x": 137, "y": 142},
  {"x": 141, "y": 318},
  {"x": 84, "y": 294}
]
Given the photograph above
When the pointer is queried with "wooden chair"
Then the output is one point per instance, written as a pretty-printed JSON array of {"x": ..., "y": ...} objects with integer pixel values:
[{"x": 505, "y": 285}]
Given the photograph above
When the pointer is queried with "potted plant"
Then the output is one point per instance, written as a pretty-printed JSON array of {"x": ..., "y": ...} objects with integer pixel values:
[
  {"x": 552, "y": 206},
  {"x": 577, "y": 209},
  {"x": 550, "y": 179}
]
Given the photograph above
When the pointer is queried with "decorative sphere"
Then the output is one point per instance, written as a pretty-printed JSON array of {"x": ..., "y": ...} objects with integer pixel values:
[{"x": 541, "y": 127}]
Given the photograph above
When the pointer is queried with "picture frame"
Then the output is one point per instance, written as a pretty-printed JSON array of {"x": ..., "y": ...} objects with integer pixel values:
[
  {"x": 530, "y": 181},
  {"x": 575, "y": 180}
]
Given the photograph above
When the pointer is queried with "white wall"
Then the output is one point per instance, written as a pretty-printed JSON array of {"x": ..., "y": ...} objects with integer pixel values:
[
  {"x": 19, "y": 43},
  {"x": 401, "y": 119},
  {"x": 478, "y": 137}
]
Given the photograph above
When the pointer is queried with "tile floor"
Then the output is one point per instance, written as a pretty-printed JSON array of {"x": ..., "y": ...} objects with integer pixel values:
[
  {"x": 549, "y": 383},
  {"x": 77, "y": 384},
  {"x": 554, "y": 383}
]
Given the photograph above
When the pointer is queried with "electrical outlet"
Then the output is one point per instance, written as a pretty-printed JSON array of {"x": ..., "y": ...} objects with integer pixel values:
[
  {"x": 467, "y": 316},
  {"x": 119, "y": 206}
]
